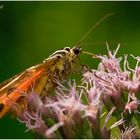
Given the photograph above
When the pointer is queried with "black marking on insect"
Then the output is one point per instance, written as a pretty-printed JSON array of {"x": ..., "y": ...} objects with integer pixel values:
[
  {"x": 10, "y": 90},
  {"x": 1, "y": 106}
]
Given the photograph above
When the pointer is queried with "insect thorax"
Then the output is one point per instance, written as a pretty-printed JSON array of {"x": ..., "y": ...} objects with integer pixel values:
[{"x": 65, "y": 61}]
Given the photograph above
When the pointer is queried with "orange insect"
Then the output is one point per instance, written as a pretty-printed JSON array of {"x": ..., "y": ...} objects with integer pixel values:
[{"x": 57, "y": 66}]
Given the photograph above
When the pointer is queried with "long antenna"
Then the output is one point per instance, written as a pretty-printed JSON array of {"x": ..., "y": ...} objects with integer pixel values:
[{"x": 95, "y": 25}]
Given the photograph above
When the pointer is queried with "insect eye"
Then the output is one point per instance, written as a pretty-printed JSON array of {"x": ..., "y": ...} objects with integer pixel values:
[{"x": 76, "y": 50}]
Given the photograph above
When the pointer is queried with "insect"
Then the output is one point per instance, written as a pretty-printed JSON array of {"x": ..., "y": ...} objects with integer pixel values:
[{"x": 58, "y": 65}]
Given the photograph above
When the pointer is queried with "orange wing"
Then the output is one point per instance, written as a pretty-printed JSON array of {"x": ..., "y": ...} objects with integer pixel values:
[{"x": 10, "y": 90}]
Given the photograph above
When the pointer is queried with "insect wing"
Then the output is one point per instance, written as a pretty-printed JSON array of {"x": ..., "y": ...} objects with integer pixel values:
[{"x": 10, "y": 90}]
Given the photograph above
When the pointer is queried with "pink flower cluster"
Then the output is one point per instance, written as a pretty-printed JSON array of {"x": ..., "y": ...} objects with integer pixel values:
[{"x": 76, "y": 111}]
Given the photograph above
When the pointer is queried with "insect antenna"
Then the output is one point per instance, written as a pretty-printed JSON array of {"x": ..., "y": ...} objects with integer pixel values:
[
  {"x": 90, "y": 30},
  {"x": 94, "y": 26},
  {"x": 101, "y": 43}
]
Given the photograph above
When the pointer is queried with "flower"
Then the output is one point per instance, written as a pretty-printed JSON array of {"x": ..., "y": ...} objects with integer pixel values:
[
  {"x": 130, "y": 133},
  {"x": 78, "y": 110}
]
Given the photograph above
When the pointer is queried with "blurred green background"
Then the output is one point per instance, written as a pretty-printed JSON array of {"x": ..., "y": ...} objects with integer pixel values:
[{"x": 31, "y": 31}]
